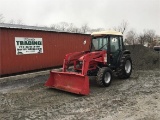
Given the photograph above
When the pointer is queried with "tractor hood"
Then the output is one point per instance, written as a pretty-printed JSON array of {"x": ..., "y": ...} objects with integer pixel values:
[
  {"x": 92, "y": 55},
  {"x": 87, "y": 56}
]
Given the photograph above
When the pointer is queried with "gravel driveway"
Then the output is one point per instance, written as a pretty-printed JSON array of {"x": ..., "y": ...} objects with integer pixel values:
[{"x": 136, "y": 98}]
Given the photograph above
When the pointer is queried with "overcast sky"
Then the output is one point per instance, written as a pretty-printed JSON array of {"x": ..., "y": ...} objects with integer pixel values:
[{"x": 140, "y": 14}]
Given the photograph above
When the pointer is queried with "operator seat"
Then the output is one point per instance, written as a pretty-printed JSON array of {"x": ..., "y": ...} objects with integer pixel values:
[{"x": 113, "y": 48}]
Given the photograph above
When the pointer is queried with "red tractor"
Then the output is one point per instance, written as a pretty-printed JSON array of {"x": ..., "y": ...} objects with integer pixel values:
[{"x": 107, "y": 55}]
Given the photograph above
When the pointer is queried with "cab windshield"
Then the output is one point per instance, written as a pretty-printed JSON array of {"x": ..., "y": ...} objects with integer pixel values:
[{"x": 99, "y": 43}]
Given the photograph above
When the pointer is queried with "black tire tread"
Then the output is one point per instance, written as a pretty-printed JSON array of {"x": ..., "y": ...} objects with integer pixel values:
[
  {"x": 99, "y": 78},
  {"x": 121, "y": 71}
]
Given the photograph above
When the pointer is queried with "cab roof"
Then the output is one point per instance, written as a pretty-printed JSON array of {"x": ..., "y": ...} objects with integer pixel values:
[{"x": 108, "y": 32}]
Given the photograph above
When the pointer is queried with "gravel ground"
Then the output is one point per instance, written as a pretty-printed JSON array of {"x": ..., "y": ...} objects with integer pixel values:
[{"x": 136, "y": 98}]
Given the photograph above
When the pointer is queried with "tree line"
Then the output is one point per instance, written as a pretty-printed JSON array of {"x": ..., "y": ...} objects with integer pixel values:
[{"x": 148, "y": 37}]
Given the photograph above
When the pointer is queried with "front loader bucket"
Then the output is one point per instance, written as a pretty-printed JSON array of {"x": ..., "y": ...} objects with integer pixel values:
[{"x": 71, "y": 82}]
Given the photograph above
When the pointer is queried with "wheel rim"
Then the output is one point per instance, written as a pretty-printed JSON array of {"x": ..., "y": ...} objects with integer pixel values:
[
  {"x": 128, "y": 66},
  {"x": 107, "y": 77}
]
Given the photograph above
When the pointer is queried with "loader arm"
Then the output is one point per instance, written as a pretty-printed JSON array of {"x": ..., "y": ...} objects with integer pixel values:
[
  {"x": 71, "y": 57},
  {"x": 88, "y": 59},
  {"x": 72, "y": 81},
  {"x": 91, "y": 60}
]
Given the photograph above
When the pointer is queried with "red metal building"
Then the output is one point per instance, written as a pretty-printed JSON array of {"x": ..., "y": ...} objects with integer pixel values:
[{"x": 53, "y": 47}]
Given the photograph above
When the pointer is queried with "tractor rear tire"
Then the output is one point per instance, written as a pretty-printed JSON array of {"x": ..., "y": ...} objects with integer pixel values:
[
  {"x": 104, "y": 77},
  {"x": 125, "y": 68}
]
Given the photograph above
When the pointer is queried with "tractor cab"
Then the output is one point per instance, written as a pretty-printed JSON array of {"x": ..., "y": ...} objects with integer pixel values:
[{"x": 110, "y": 41}]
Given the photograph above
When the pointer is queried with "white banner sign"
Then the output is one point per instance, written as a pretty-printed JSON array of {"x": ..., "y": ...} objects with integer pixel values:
[{"x": 26, "y": 45}]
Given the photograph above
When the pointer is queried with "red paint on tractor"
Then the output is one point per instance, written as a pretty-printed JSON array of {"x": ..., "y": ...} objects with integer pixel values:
[
  {"x": 76, "y": 82},
  {"x": 71, "y": 82}
]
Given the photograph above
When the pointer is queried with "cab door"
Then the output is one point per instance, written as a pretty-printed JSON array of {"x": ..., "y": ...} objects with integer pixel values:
[{"x": 115, "y": 49}]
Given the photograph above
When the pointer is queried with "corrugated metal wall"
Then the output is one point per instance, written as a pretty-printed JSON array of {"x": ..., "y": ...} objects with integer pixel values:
[{"x": 55, "y": 46}]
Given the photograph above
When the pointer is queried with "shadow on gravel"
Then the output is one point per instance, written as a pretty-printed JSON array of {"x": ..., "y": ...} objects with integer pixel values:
[{"x": 62, "y": 92}]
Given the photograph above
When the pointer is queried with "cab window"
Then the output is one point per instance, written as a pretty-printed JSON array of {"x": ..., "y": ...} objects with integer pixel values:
[
  {"x": 99, "y": 43},
  {"x": 114, "y": 42}
]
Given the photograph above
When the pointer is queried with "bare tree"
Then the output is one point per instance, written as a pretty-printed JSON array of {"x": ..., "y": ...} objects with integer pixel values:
[
  {"x": 73, "y": 28},
  {"x": 131, "y": 37},
  {"x": 122, "y": 27},
  {"x": 19, "y": 22},
  {"x": 67, "y": 27},
  {"x": 70, "y": 27},
  {"x": 150, "y": 34},
  {"x": 85, "y": 28},
  {"x": 96, "y": 30},
  {"x": 63, "y": 26},
  {"x": 142, "y": 38},
  {"x": 117, "y": 28},
  {"x": 1, "y": 18},
  {"x": 12, "y": 21},
  {"x": 55, "y": 27},
  {"x": 76, "y": 30},
  {"x": 149, "y": 37}
]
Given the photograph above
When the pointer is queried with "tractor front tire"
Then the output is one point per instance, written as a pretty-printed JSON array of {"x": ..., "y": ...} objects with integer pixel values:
[
  {"x": 104, "y": 77},
  {"x": 125, "y": 68}
]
